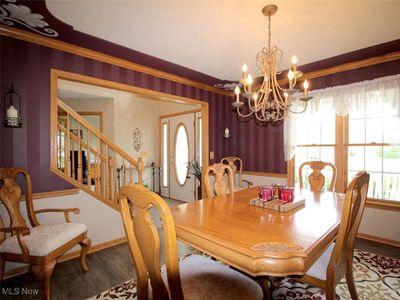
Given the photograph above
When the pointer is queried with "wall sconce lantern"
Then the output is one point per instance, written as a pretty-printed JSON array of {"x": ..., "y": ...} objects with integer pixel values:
[
  {"x": 227, "y": 134},
  {"x": 12, "y": 117}
]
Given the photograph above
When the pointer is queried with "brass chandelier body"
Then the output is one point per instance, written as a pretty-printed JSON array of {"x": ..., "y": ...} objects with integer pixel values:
[{"x": 270, "y": 102}]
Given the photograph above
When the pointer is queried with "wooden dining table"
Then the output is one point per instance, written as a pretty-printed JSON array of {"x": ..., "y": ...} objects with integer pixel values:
[{"x": 261, "y": 241}]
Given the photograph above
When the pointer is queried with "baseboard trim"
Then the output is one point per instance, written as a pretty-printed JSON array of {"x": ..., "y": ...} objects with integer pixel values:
[
  {"x": 378, "y": 239},
  {"x": 68, "y": 256}
]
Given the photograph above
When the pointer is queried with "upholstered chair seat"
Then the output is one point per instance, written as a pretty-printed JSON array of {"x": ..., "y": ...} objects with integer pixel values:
[
  {"x": 318, "y": 269},
  {"x": 44, "y": 239},
  {"x": 203, "y": 278}
]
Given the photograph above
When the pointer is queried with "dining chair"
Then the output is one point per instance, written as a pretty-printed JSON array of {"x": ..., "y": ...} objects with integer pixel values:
[
  {"x": 337, "y": 260},
  {"x": 193, "y": 277},
  {"x": 42, "y": 244},
  {"x": 234, "y": 162},
  {"x": 219, "y": 186},
  {"x": 316, "y": 179}
]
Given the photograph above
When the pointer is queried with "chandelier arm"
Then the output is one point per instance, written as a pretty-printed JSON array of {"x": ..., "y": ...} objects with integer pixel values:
[
  {"x": 253, "y": 108},
  {"x": 243, "y": 115},
  {"x": 275, "y": 81},
  {"x": 280, "y": 115},
  {"x": 298, "y": 112},
  {"x": 263, "y": 118},
  {"x": 278, "y": 97}
]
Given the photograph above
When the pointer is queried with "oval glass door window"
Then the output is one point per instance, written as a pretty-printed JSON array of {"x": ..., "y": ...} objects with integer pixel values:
[{"x": 181, "y": 154}]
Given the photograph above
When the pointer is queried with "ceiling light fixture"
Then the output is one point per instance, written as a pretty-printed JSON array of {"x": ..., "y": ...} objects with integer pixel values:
[{"x": 270, "y": 102}]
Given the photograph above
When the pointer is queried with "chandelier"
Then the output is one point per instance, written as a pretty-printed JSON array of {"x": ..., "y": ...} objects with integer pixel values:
[{"x": 270, "y": 102}]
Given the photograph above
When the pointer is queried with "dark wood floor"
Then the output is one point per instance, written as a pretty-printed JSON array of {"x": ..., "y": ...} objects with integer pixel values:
[
  {"x": 110, "y": 267},
  {"x": 107, "y": 268}
]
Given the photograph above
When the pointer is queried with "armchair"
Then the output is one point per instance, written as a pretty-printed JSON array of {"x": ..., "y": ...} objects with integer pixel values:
[
  {"x": 40, "y": 245},
  {"x": 234, "y": 162}
]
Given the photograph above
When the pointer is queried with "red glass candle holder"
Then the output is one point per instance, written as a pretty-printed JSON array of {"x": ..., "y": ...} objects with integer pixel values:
[
  {"x": 276, "y": 188},
  {"x": 265, "y": 193},
  {"x": 287, "y": 194}
]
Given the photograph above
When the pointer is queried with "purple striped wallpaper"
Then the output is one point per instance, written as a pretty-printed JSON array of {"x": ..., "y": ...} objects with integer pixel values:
[{"x": 28, "y": 66}]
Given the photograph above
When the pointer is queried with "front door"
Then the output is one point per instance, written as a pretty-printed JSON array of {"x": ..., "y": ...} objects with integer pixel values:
[{"x": 178, "y": 144}]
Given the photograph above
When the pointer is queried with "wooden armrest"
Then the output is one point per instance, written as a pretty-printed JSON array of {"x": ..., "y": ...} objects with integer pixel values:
[
  {"x": 66, "y": 212},
  {"x": 23, "y": 230},
  {"x": 249, "y": 183},
  {"x": 18, "y": 231}
]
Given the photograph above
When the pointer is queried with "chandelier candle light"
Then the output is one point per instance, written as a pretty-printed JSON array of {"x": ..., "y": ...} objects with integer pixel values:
[{"x": 270, "y": 102}]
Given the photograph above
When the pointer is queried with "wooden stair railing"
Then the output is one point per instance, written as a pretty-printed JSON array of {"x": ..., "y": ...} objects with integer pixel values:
[{"x": 91, "y": 161}]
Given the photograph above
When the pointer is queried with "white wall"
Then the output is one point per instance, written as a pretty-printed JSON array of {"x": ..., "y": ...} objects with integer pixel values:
[{"x": 104, "y": 223}]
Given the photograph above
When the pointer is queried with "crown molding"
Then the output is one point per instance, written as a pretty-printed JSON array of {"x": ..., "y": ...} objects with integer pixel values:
[{"x": 92, "y": 54}]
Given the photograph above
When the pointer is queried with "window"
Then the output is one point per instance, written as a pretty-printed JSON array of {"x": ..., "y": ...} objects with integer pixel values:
[
  {"x": 365, "y": 137},
  {"x": 374, "y": 146},
  {"x": 165, "y": 154},
  {"x": 315, "y": 135},
  {"x": 181, "y": 154}
]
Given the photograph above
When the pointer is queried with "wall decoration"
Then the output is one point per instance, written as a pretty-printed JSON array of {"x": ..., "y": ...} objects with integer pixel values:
[
  {"x": 137, "y": 139},
  {"x": 11, "y": 13}
]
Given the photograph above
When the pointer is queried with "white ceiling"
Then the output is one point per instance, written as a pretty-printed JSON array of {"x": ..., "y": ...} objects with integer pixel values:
[{"x": 217, "y": 37}]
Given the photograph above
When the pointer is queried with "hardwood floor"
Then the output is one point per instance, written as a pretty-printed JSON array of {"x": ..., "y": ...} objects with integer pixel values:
[
  {"x": 107, "y": 268},
  {"x": 378, "y": 248},
  {"x": 110, "y": 267}
]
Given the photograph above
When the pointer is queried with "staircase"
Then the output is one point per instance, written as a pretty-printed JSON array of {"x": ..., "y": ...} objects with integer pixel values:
[{"x": 89, "y": 160}]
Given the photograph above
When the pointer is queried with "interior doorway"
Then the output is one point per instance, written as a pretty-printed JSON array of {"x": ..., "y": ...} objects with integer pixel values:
[{"x": 125, "y": 108}]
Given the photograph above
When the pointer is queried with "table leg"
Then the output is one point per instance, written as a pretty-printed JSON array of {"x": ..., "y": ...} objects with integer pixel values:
[{"x": 265, "y": 284}]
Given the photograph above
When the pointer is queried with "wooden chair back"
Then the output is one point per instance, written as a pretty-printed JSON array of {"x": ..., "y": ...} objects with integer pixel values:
[
  {"x": 144, "y": 242},
  {"x": 234, "y": 162},
  {"x": 316, "y": 178},
  {"x": 220, "y": 187},
  {"x": 10, "y": 195},
  {"x": 342, "y": 255}
]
